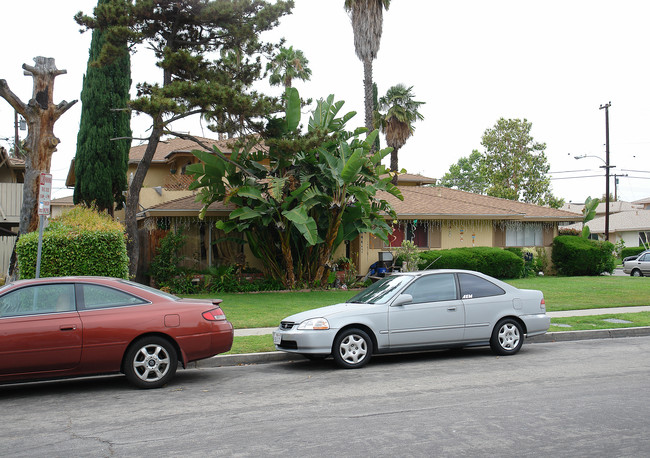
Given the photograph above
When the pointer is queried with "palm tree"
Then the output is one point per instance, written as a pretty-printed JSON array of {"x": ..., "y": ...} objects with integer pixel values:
[
  {"x": 367, "y": 20},
  {"x": 286, "y": 65},
  {"x": 401, "y": 111}
]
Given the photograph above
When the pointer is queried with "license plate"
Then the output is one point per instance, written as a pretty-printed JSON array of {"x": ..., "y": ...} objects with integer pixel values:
[{"x": 277, "y": 339}]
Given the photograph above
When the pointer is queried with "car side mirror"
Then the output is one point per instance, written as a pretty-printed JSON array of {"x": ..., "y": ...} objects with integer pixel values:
[{"x": 403, "y": 299}]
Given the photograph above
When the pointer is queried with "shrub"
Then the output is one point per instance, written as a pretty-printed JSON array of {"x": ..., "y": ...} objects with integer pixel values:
[
  {"x": 495, "y": 262},
  {"x": 165, "y": 269},
  {"x": 574, "y": 256},
  {"x": 631, "y": 251},
  {"x": 408, "y": 256},
  {"x": 81, "y": 242}
]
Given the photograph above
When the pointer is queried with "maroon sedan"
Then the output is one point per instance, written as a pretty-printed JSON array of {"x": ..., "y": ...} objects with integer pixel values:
[{"x": 72, "y": 326}]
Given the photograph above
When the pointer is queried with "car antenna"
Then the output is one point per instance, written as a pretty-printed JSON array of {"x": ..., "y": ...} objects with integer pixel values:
[{"x": 427, "y": 268}]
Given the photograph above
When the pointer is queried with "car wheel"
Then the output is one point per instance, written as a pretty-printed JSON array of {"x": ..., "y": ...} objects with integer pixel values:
[
  {"x": 507, "y": 337},
  {"x": 636, "y": 273},
  {"x": 150, "y": 362},
  {"x": 352, "y": 349}
]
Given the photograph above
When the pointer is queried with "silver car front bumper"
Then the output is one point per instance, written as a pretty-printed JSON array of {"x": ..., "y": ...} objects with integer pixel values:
[{"x": 304, "y": 341}]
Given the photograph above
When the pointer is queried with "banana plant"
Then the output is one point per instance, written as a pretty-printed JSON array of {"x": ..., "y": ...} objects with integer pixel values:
[
  {"x": 589, "y": 213},
  {"x": 319, "y": 190}
]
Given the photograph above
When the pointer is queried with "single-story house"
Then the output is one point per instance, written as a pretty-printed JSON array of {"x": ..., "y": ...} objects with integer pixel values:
[
  {"x": 12, "y": 177},
  {"x": 431, "y": 217}
]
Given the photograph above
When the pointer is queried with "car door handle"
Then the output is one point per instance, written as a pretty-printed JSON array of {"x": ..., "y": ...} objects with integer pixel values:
[
  {"x": 68, "y": 327},
  {"x": 451, "y": 309}
]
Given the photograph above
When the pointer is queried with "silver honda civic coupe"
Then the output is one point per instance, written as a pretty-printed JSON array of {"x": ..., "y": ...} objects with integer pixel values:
[{"x": 417, "y": 311}]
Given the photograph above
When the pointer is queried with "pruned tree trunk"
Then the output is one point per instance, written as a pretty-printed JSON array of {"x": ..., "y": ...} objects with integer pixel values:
[{"x": 40, "y": 114}]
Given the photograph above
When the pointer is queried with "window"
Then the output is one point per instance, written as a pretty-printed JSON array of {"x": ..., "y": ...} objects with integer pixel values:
[
  {"x": 412, "y": 232},
  {"x": 38, "y": 299},
  {"x": 381, "y": 291},
  {"x": 644, "y": 237},
  {"x": 433, "y": 288},
  {"x": 525, "y": 235},
  {"x": 472, "y": 287},
  {"x": 97, "y": 297}
]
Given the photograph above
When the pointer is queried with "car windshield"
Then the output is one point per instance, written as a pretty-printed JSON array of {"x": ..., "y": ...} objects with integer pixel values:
[{"x": 382, "y": 291}]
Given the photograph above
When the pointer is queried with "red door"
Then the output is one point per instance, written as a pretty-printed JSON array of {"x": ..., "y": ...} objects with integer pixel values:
[{"x": 40, "y": 330}]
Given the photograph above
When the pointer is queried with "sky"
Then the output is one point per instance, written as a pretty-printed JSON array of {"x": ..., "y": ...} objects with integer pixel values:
[{"x": 552, "y": 62}]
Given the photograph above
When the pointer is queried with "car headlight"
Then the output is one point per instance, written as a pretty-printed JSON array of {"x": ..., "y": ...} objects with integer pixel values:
[{"x": 314, "y": 323}]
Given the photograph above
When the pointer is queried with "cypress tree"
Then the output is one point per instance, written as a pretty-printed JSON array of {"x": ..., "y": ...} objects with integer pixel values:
[{"x": 101, "y": 163}]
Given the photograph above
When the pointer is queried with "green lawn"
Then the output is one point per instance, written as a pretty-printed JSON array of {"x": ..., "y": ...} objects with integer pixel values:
[
  {"x": 262, "y": 310},
  {"x": 575, "y": 293},
  {"x": 584, "y": 323}
]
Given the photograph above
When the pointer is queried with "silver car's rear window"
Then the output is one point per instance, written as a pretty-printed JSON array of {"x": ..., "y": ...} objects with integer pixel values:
[{"x": 381, "y": 291}]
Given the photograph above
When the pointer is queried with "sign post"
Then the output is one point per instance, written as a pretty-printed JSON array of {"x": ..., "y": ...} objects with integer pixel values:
[{"x": 44, "y": 199}]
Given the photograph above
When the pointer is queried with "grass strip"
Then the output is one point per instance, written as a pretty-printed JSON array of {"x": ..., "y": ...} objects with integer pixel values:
[
  {"x": 591, "y": 322},
  {"x": 252, "y": 344}
]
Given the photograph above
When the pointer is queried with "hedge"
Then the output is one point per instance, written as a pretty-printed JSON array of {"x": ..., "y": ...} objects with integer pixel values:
[
  {"x": 495, "y": 262},
  {"x": 631, "y": 251},
  {"x": 81, "y": 242},
  {"x": 573, "y": 256}
]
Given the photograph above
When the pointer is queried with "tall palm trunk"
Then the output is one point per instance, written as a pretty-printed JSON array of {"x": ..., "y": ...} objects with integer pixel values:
[
  {"x": 393, "y": 164},
  {"x": 367, "y": 89}
]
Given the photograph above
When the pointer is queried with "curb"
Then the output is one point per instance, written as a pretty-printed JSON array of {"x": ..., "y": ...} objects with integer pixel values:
[{"x": 550, "y": 337}]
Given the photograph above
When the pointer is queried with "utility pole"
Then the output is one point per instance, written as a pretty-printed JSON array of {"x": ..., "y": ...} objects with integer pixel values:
[
  {"x": 616, "y": 184},
  {"x": 16, "y": 138},
  {"x": 607, "y": 167}
]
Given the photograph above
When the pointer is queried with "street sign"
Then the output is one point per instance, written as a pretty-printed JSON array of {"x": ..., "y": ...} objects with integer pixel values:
[{"x": 44, "y": 194}]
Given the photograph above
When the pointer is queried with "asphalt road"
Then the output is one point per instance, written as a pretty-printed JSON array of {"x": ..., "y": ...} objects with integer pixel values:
[{"x": 579, "y": 398}]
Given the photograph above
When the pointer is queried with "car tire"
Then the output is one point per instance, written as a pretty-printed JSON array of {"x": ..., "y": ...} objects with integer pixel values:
[
  {"x": 352, "y": 349},
  {"x": 507, "y": 337},
  {"x": 150, "y": 362},
  {"x": 636, "y": 273}
]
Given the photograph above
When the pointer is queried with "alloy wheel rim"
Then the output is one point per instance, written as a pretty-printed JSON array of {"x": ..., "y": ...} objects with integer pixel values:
[{"x": 151, "y": 363}]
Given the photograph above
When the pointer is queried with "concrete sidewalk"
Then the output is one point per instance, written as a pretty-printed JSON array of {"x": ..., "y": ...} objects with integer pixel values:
[{"x": 276, "y": 356}]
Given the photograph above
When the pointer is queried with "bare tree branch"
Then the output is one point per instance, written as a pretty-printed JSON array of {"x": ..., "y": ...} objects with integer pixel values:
[{"x": 12, "y": 98}]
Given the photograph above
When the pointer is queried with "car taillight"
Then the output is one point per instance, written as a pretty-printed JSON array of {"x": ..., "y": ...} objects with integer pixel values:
[
  {"x": 542, "y": 305},
  {"x": 214, "y": 315}
]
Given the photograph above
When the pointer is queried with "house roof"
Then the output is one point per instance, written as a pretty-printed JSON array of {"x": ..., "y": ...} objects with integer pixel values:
[
  {"x": 636, "y": 220},
  {"x": 165, "y": 152},
  {"x": 172, "y": 146},
  {"x": 12, "y": 162},
  {"x": 413, "y": 179},
  {"x": 614, "y": 207},
  {"x": 419, "y": 203},
  {"x": 186, "y": 206},
  {"x": 66, "y": 201},
  {"x": 439, "y": 202}
]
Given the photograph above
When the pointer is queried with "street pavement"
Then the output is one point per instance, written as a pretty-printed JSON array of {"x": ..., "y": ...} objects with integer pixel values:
[{"x": 267, "y": 357}]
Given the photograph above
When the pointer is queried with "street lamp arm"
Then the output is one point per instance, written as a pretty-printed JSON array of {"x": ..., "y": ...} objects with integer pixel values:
[{"x": 590, "y": 155}]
